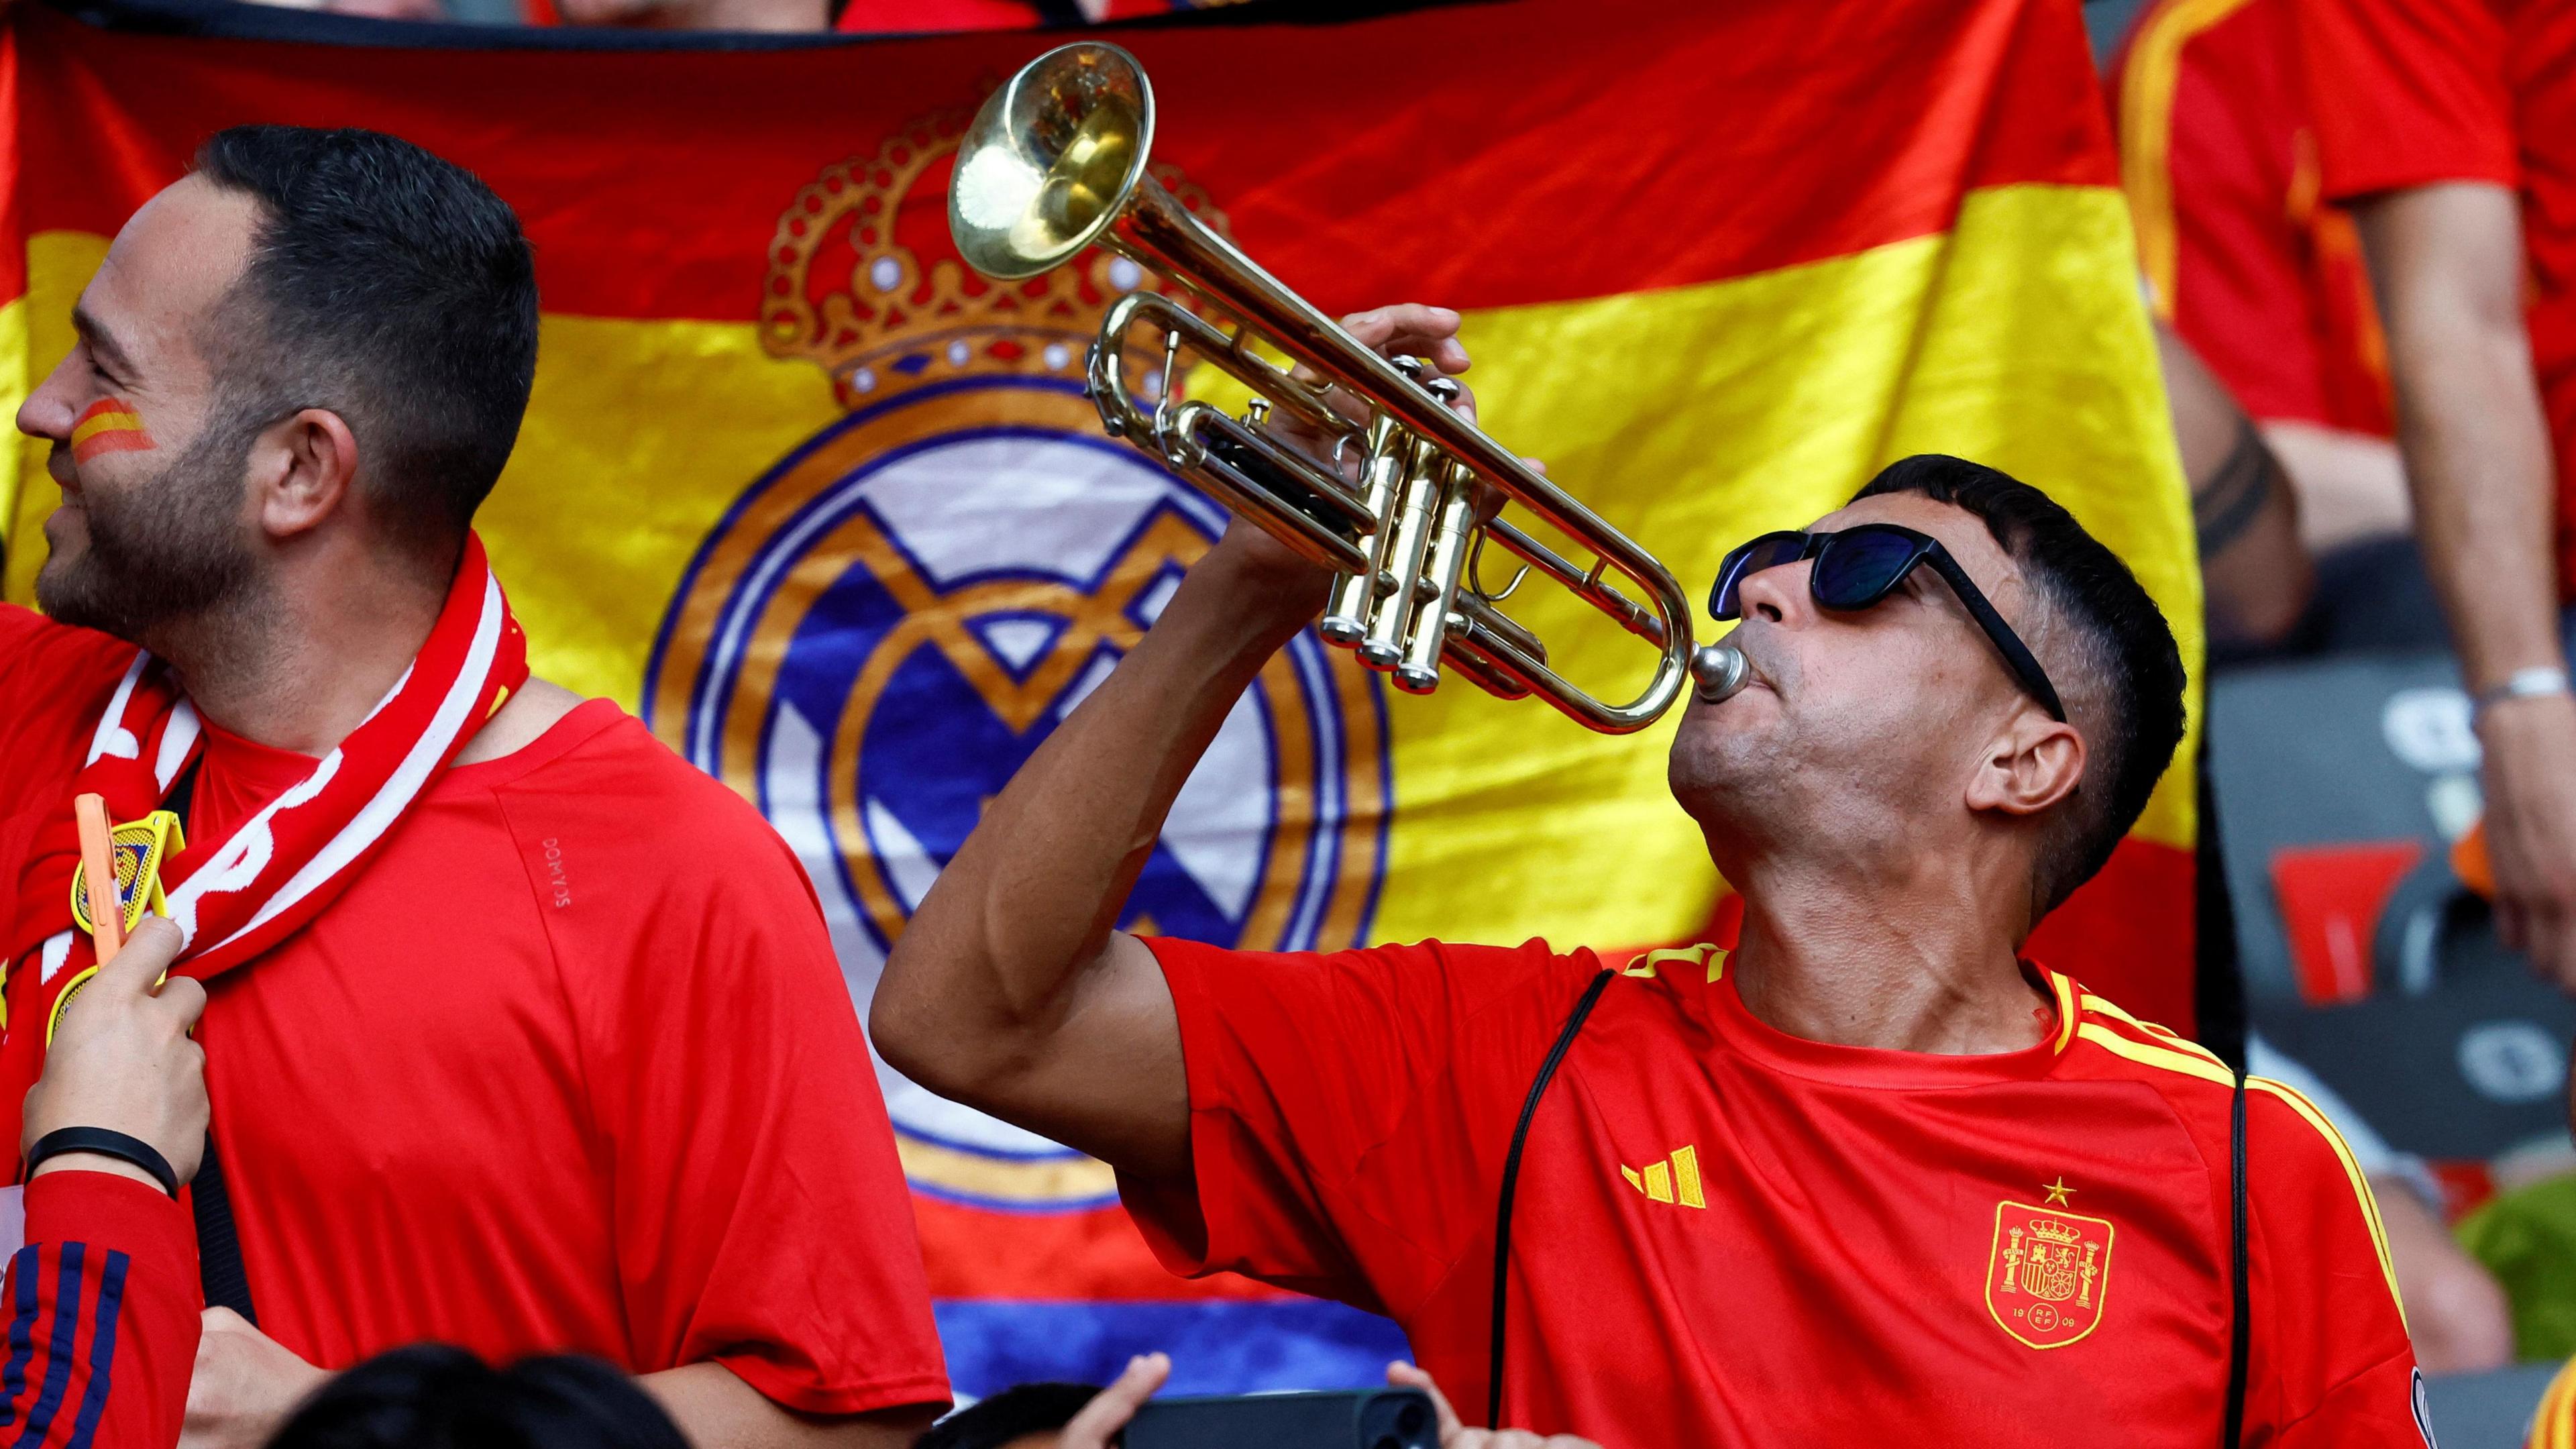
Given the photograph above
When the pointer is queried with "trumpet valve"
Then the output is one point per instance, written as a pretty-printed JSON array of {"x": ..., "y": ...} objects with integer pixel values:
[
  {"x": 1416, "y": 681},
  {"x": 1341, "y": 629}
]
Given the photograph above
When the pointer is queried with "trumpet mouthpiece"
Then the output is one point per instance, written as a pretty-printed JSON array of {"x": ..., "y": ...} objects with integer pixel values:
[{"x": 1720, "y": 669}]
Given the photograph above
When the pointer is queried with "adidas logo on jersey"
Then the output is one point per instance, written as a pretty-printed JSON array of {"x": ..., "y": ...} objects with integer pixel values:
[{"x": 1674, "y": 1179}]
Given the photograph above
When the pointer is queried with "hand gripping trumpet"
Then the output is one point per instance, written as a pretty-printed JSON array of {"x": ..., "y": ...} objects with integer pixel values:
[{"x": 1055, "y": 163}]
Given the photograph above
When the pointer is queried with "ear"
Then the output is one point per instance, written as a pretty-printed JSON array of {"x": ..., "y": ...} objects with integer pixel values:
[
  {"x": 302, "y": 469},
  {"x": 2031, "y": 766}
]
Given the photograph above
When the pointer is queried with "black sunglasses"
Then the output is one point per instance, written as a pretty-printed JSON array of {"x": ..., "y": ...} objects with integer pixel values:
[{"x": 1859, "y": 566}]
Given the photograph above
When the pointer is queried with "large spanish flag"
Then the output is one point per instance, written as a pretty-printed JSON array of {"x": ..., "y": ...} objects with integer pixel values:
[{"x": 832, "y": 515}]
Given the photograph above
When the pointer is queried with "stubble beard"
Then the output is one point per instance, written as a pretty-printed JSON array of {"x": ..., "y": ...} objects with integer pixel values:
[{"x": 162, "y": 551}]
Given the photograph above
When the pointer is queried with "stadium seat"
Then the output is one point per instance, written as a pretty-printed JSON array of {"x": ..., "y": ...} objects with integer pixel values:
[{"x": 2340, "y": 784}]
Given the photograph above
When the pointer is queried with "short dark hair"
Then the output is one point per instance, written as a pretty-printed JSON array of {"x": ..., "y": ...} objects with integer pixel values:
[
  {"x": 393, "y": 288},
  {"x": 991, "y": 1422},
  {"x": 432, "y": 1396},
  {"x": 2121, "y": 643}
]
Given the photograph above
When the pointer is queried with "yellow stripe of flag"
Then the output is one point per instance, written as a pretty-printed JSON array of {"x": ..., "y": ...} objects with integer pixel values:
[{"x": 1690, "y": 418}]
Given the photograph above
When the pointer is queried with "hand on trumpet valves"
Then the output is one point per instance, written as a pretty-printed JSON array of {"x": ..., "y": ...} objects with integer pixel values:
[{"x": 1407, "y": 329}]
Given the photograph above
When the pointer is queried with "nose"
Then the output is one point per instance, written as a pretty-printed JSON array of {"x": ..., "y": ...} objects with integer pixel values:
[
  {"x": 49, "y": 410},
  {"x": 1776, "y": 595}
]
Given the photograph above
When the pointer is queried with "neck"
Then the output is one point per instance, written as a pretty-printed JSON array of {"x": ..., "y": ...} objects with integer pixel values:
[
  {"x": 1913, "y": 957},
  {"x": 299, "y": 663}
]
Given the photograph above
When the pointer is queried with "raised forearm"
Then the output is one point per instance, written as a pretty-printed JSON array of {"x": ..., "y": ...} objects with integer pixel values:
[
  {"x": 994, "y": 960},
  {"x": 1038, "y": 886},
  {"x": 2447, "y": 263},
  {"x": 1010, "y": 989}
]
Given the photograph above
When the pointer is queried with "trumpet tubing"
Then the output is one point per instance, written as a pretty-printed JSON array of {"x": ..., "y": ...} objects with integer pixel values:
[{"x": 1054, "y": 164}]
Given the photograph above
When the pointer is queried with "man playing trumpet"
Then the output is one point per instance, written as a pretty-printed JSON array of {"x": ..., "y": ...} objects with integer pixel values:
[{"x": 1868, "y": 1172}]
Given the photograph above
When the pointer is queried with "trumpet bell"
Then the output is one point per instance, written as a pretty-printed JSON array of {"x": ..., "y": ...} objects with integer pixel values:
[
  {"x": 1055, "y": 163},
  {"x": 1050, "y": 160}
]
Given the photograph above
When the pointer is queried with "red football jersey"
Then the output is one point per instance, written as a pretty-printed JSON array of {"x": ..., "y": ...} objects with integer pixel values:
[
  {"x": 1727, "y": 1235},
  {"x": 2245, "y": 258},
  {"x": 2415, "y": 92},
  {"x": 570, "y": 1066}
]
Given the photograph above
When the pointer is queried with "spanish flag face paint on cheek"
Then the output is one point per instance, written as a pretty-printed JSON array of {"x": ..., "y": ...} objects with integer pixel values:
[{"x": 109, "y": 425}]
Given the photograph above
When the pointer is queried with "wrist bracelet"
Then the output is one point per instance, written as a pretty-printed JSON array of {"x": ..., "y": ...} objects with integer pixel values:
[
  {"x": 2530, "y": 683},
  {"x": 105, "y": 1143}
]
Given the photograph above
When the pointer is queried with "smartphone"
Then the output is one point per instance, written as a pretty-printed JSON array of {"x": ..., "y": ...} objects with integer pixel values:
[{"x": 1358, "y": 1419}]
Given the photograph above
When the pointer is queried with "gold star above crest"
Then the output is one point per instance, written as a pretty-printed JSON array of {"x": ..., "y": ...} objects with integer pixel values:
[{"x": 2057, "y": 1192}]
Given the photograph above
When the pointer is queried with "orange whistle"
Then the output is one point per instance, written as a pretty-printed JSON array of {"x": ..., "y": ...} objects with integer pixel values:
[{"x": 98, "y": 869}]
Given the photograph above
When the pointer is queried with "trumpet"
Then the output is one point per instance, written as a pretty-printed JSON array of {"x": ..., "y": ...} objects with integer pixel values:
[{"x": 1056, "y": 163}]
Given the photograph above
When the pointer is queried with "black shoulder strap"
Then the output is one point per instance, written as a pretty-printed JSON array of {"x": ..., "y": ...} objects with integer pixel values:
[
  {"x": 2240, "y": 1335},
  {"x": 1511, "y": 1182},
  {"x": 219, "y": 1255}
]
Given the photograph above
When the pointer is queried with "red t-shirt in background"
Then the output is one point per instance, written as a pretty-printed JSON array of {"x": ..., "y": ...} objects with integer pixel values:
[
  {"x": 2249, "y": 264},
  {"x": 571, "y": 1066},
  {"x": 1725, "y": 1235},
  {"x": 2418, "y": 92}
]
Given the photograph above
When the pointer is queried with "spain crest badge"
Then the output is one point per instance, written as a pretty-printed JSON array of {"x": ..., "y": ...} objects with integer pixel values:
[
  {"x": 2047, "y": 1274},
  {"x": 138, "y": 847}
]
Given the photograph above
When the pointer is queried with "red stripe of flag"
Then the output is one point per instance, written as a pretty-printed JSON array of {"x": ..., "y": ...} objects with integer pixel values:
[{"x": 1573, "y": 148}]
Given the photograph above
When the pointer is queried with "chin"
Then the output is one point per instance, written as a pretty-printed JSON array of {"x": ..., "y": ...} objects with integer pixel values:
[
  {"x": 1730, "y": 751},
  {"x": 53, "y": 578},
  {"x": 64, "y": 588},
  {"x": 1710, "y": 765}
]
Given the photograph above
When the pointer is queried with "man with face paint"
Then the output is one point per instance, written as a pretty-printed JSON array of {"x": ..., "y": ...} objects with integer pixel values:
[
  {"x": 1869, "y": 1177},
  {"x": 520, "y": 1033}
]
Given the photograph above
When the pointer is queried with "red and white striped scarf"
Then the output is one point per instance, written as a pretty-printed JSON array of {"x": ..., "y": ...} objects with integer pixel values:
[{"x": 235, "y": 898}]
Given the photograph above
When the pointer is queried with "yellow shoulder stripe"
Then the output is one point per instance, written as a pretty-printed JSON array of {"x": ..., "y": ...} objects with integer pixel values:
[
  {"x": 1713, "y": 957},
  {"x": 2184, "y": 1043},
  {"x": 2155, "y": 1054},
  {"x": 2067, "y": 1012},
  {"x": 2352, "y": 1173},
  {"x": 2208, "y": 1069},
  {"x": 2147, "y": 86}
]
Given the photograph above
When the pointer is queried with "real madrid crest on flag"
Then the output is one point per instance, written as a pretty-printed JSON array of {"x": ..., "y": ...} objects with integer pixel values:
[
  {"x": 2048, "y": 1273},
  {"x": 885, "y": 625}
]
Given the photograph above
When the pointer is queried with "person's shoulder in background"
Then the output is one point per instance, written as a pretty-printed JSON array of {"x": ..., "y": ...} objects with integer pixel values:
[
  {"x": 46, "y": 664},
  {"x": 55, "y": 680},
  {"x": 628, "y": 847},
  {"x": 597, "y": 773}
]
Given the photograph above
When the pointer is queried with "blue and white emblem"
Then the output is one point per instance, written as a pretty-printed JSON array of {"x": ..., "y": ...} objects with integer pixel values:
[{"x": 884, "y": 626}]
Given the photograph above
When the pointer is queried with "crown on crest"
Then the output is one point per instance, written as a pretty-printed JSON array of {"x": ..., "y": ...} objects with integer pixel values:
[
  {"x": 864, "y": 280},
  {"x": 2054, "y": 1230}
]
